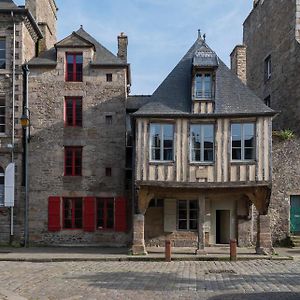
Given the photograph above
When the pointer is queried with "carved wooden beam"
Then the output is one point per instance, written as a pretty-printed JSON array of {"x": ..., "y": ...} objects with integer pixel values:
[{"x": 260, "y": 197}]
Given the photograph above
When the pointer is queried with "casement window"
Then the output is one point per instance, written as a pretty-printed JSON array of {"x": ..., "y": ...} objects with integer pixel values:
[
  {"x": 73, "y": 111},
  {"x": 268, "y": 67},
  {"x": 72, "y": 213},
  {"x": 87, "y": 214},
  {"x": 2, "y": 53},
  {"x": 105, "y": 213},
  {"x": 242, "y": 142},
  {"x": 2, "y": 115},
  {"x": 161, "y": 142},
  {"x": 74, "y": 66},
  {"x": 202, "y": 143},
  {"x": 73, "y": 161},
  {"x": 2, "y": 175},
  {"x": 187, "y": 214},
  {"x": 203, "y": 86}
]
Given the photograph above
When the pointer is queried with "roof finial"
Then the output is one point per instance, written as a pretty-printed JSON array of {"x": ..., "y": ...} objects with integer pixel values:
[
  {"x": 204, "y": 37},
  {"x": 199, "y": 34},
  {"x": 81, "y": 26}
]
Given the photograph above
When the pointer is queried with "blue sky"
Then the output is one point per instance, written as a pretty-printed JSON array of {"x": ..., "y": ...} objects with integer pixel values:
[{"x": 160, "y": 31}]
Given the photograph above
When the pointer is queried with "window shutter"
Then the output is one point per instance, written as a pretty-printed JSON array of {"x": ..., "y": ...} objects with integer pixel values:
[
  {"x": 89, "y": 214},
  {"x": 120, "y": 214},
  {"x": 170, "y": 215},
  {"x": 54, "y": 209},
  {"x": 9, "y": 185}
]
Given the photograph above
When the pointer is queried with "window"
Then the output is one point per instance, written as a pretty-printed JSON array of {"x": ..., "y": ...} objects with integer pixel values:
[
  {"x": 2, "y": 115},
  {"x": 72, "y": 213},
  {"x": 73, "y": 161},
  {"x": 74, "y": 66},
  {"x": 105, "y": 213},
  {"x": 202, "y": 143},
  {"x": 1, "y": 186},
  {"x": 2, "y": 53},
  {"x": 156, "y": 203},
  {"x": 108, "y": 172},
  {"x": 242, "y": 141},
  {"x": 268, "y": 101},
  {"x": 203, "y": 86},
  {"x": 187, "y": 215},
  {"x": 73, "y": 111},
  {"x": 108, "y": 120},
  {"x": 268, "y": 67},
  {"x": 109, "y": 77},
  {"x": 161, "y": 142}
]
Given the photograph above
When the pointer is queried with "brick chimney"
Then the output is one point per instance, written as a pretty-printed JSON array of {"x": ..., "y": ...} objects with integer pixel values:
[
  {"x": 238, "y": 58},
  {"x": 122, "y": 47}
]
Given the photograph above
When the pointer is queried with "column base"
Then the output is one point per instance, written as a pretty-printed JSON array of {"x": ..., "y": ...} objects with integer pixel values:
[
  {"x": 200, "y": 252},
  {"x": 138, "y": 250}
]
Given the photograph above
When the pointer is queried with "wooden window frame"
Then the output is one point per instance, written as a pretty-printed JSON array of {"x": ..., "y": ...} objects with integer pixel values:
[
  {"x": 188, "y": 213},
  {"x": 74, "y": 111},
  {"x": 2, "y": 132},
  {"x": 161, "y": 148},
  {"x": 3, "y": 49},
  {"x": 105, "y": 213},
  {"x": 2, "y": 177},
  {"x": 73, "y": 209},
  {"x": 202, "y": 95},
  {"x": 74, "y": 73},
  {"x": 202, "y": 149},
  {"x": 73, "y": 166},
  {"x": 243, "y": 143}
]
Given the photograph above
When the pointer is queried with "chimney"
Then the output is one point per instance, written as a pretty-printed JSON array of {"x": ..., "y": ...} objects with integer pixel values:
[
  {"x": 122, "y": 47},
  {"x": 238, "y": 58}
]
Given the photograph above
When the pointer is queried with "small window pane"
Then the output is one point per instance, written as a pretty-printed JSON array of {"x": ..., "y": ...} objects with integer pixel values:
[
  {"x": 182, "y": 224},
  {"x": 193, "y": 224},
  {"x": 236, "y": 154},
  {"x": 249, "y": 153},
  {"x": 193, "y": 205}
]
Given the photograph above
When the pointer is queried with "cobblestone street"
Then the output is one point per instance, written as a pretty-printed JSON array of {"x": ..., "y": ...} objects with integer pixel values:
[{"x": 151, "y": 280}]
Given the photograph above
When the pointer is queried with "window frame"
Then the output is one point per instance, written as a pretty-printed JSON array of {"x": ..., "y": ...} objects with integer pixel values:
[
  {"x": 73, "y": 149},
  {"x": 105, "y": 213},
  {"x": 188, "y": 213},
  {"x": 73, "y": 209},
  {"x": 74, "y": 111},
  {"x": 2, "y": 175},
  {"x": 74, "y": 72},
  {"x": 202, "y": 149},
  {"x": 243, "y": 142},
  {"x": 268, "y": 67},
  {"x": 3, "y": 49},
  {"x": 162, "y": 148},
  {"x": 4, "y": 115},
  {"x": 202, "y": 96}
]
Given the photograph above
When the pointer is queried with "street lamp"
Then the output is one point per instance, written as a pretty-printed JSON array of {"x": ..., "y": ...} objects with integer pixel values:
[{"x": 25, "y": 122}]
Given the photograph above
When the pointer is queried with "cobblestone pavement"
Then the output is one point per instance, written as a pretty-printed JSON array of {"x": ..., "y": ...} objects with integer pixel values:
[{"x": 151, "y": 280}]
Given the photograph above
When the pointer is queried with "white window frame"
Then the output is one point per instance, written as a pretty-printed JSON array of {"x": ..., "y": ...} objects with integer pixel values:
[
  {"x": 243, "y": 143},
  {"x": 3, "y": 59},
  {"x": 161, "y": 141},
  {"x": 188, "y": 219},
  {"x": 202, "y": 144},
  {"x": 203, "y": 96}
]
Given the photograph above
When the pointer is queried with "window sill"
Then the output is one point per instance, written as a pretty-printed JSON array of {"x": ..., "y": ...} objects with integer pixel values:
[
  {"x": 162, "y": 162},
  {"x": 203, "y": 99},
  {"x": 243, "y": 162},
  {"x": 202, "y": 163}
]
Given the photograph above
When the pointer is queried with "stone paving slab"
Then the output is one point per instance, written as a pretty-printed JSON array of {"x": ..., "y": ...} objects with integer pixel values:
[{"x": 158, "y": 280}]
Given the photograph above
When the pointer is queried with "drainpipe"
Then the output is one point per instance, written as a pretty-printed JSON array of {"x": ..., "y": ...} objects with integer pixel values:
[{"x": 13, "y": 118}]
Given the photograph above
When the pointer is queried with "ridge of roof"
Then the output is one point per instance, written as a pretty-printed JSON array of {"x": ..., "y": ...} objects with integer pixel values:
[{"x": 7, "y": 4}]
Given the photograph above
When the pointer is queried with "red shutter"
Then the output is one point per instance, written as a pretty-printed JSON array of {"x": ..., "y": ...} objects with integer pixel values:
[
  {"x": 120, "y": 214},
  {"x": 54, "y": 214},
  {"x": 89, "y": 214}
]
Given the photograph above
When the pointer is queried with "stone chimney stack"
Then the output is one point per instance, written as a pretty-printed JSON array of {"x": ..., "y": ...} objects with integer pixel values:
[
  {"x": 122, "y": 47},
  {"x": 238, "y": 59}
]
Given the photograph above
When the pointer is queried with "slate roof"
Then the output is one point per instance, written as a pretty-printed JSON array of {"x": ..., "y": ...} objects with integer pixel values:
[
  {"x": 102, "y": 56},
  {"x": 135, "y": 102},
  {"x": 173, "y": 96},
  {"x": 7, "y": 4}
]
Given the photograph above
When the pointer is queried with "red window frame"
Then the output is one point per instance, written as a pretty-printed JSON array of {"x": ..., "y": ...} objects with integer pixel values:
[
  {"x": 76, "y": 204},
  {"x": 74, "y": 75},
  {"x": 73, "y": 111},
  {"x": 73, "y": 154},
  {"x": 105, "y": 214}
]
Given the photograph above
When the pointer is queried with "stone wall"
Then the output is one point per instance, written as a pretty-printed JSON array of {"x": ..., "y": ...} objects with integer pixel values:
[{"x": 238, "y": 62}]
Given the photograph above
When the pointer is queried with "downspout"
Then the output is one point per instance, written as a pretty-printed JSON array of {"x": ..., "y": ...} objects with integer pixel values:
[{"x": 13, "y": 118}]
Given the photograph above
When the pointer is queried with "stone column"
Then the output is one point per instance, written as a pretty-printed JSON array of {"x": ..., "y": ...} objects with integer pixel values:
[
  {"x": 264, "y": 240},
  {"x": 138, "y": 246},
  {"x": 201, "y": 220}
]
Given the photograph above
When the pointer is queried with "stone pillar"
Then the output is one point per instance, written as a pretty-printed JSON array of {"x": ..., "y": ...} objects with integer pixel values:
[
  {"x": 138, "y": 246},
  {"x": 264, "y": 240},
  {"x": 201, "y": 220}
]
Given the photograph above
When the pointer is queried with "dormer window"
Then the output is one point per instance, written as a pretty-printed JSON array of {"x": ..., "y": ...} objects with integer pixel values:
[
  {"x": 74, "y": 67},
  {"x": 203, "y": 88}
]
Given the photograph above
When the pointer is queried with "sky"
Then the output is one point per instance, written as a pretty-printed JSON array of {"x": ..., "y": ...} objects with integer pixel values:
[{"x": 160, "y": 32}]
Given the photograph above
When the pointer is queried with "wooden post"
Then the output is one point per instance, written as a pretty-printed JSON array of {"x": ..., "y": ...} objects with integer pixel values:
[
  {"x": 233, "y": 250},
  {"x": 168, "y": 251}
]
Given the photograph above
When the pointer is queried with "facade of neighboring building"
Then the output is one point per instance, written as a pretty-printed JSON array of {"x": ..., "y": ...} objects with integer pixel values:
[
  {"x": 269, "y": 61},
  {"x": 202, "y": 156}
]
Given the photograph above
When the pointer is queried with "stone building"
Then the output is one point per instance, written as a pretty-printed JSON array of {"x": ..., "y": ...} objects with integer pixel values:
[
  {"x": 269, "y": 61},
  {"x": 202, "y": 156}
]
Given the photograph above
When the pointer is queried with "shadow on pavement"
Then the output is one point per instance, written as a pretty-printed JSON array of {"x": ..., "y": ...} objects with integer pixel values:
[{"x": 259, "y": 296}]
